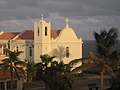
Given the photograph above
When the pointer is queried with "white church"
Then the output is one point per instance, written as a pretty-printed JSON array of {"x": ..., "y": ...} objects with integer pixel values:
[{"x": 43, "y": 40}]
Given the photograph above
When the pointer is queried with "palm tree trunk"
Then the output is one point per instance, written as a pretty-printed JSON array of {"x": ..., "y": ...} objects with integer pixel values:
[
  {"x": 101, "y": 79},
  {"x": 46, "y": 87}
]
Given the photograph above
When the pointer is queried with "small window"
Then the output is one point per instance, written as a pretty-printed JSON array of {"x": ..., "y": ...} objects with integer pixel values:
[
  {"x": 45, "y": 31},
  {"x": 8, "y": 44},
  {"x": 67, "y": 52},
  {"x": 38, "y": 31},
  {"x": 17, "y": 49},
  {"x": 30, "y": 50},
  {"x": 4, "y": 49}
]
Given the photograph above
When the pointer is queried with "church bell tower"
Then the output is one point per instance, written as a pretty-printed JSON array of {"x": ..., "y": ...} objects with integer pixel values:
[{"x": 42, "y": 38}]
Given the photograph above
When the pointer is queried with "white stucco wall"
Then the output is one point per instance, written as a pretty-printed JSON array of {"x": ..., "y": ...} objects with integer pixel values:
[
  {"x": 42, "y": 42},
  {"x": 23, "y": 45},
  {"x": 68, "y": 38},
  {"x": 46, "y": 45}
]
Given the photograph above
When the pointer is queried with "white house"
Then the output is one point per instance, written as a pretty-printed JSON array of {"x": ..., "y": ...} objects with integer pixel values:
[{"x": 42, "y": 40}]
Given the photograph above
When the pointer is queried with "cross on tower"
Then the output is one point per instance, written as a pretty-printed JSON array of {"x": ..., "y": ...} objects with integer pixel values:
[
  {"x": 42, "y": 16},
  {"x": 67, "y": 22}
]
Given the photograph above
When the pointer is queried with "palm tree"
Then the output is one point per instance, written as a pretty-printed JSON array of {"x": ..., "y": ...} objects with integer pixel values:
[
  {"x": 104, "y": 42},
  {"x": 13, "y": 64},
  {"x": 104, "y": 57},
  {"x": 56, "y": 72},
  {"x": 30, "y": 70}
]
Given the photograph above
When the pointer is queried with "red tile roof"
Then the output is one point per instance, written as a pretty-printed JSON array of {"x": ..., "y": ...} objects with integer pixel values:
[
  {"x": 55, "y": 33},
  {"x": 27, "y": 35},
  {"x": 8, "y": 35},
  {"x": 5, "y": 75}
]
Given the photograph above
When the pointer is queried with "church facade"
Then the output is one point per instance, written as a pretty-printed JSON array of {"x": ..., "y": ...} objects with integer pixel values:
[{"x": 64, "y": 44}]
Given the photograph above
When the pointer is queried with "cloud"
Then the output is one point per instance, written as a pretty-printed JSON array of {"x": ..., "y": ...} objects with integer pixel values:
[
  {"x": 85, "y": 15},
  {"x": 20, "y": 9}
]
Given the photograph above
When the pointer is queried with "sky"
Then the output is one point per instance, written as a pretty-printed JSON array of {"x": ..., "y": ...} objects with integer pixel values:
[{"x": 86, "y": 16}]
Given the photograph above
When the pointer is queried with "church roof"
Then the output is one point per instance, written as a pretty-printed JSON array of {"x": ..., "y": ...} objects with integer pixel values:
[
  {"x": 55, "y": 33},
  {"x": 8, "y": 35}
]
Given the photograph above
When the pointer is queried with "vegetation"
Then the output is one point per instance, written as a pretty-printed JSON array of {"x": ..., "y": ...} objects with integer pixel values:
[
  {"x": 30, "y": 71},
  {"x": 105, "y": 41},
  {"x": 50, "y": 70},
  {"x": 56, "y": 72},
  {"x": 104, "y": 58},
  {"x": 13, "y": 64}
]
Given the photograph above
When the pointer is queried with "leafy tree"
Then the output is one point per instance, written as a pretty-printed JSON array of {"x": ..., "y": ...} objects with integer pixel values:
[
  {"x": 56, "y": 72},
  {"x": 13, "y": 64},
  {"x": 30, "y": 70}
]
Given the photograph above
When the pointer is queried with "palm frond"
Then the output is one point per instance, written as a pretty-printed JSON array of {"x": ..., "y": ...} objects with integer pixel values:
[
  {"x": 109, "y": 69},
  {"x": 97, "y": 37},
  {"x": 114, "y": 55},
  {"x": 105, "y": 40},
  {"x": 21, "y": 63},
  {"x": 6, "y": 60}
]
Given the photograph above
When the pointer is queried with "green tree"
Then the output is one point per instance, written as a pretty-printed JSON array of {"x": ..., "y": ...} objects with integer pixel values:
[
  {"x": 104, "y": 42},
  {"x": 30, "y": 70},
  {"x": 13, "y": 64},
  {"x": 56, "y": 72}
]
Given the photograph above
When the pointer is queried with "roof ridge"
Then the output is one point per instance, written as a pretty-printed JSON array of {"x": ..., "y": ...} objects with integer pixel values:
[
  {"x": 1, "y": 32},
  {"x": 18, "y": 35}
]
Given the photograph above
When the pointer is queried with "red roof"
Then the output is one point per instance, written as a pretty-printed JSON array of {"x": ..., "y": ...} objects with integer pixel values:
[
  {"x": 8, "y": 35},
  {"x": 55, "y": 33},
  {"x": 5, "y": 75},
  {"x": 27, "y": 35}
]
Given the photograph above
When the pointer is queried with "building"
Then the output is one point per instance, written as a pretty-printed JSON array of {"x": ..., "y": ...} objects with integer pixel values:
[
  {"x": 43, "y": 40},
  {"x": 5, "y": 81}
]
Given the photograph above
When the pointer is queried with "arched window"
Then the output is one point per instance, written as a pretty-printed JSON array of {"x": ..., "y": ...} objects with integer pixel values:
[
  {"x": 38, "y": 31},
  {"x": 45, "y": 31},
  {"x": 30, "y": 50},
  {"x": 67, "y": 52}
]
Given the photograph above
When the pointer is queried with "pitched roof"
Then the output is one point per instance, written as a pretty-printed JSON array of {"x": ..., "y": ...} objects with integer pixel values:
[
  {"x": 27, "y": 35},
  {"x": 55, "y": 33},
  {"x": 8, "y": 35}
]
